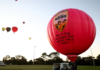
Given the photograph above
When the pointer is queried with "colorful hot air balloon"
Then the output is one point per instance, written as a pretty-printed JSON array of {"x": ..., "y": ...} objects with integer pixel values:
[
  {"x": 15, "y": 0},
  {"x": 3, "y": 29},
  {"x": 14, "y": 29},
  {"x": 8, "y": 29},
  {"x": 29, "y": 38},
  {"x": 71, "y": 32},
  {"x": 23, "y": 22}
]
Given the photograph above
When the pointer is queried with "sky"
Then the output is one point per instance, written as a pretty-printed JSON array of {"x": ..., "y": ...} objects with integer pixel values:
[{"x": 37, "y": 14}]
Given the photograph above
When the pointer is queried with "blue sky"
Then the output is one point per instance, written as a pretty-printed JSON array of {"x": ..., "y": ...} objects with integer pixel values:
[{"x": 37, "y": 14}]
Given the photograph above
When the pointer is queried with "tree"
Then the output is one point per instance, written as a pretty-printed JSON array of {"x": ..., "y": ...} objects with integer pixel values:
[
  {"x": 90, "y": 58},
  {"x": 78, "y": 60},
  {"x": 44, "y": 56},
  {"x": 6, "y": 59},
  {"x": 53, "y": 55},
  {"x": 57, "y": 60},
  {"x": 98, "y": 57},
  {"x": 18, "y": 57},
  {"x": 13, "y": 60},
  {"x": 30, "y": 62},
  {"x": 23, "y": 60},
  {"x": 39, "y": 61},
  {"x": 67, "y": 60},
  {"x": 82, "y": 62}
]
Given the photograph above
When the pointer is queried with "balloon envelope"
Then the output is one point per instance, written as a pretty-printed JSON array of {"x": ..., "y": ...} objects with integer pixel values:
[
  {"x": 23, "y": 22},
  {"x": 8, "y": 29},
  {"x": 14, "y": 29},
  {"x": 29, "y": 38},
  {"x": 3, "y": 29},
  {"x": 71, "y": 32}
]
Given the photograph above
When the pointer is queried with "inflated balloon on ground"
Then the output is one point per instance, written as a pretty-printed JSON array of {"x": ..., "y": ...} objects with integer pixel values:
[{"x": 71, "y": 32}]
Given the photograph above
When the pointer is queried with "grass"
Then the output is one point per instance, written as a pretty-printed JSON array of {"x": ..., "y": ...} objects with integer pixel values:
[
  {"x": 43, "y": 67},
  {"x": 88, "y": 68},
  {"x": 26, "y": 67}
]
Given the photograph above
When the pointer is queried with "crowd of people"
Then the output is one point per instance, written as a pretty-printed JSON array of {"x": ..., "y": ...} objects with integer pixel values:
[{"x": 73, "y": 67}]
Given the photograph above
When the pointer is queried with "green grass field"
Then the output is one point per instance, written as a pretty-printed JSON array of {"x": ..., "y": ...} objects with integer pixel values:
[{"x": 42, "y": 67}]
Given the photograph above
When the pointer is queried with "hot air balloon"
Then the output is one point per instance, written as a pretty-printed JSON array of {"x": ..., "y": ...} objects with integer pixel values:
[
  {"x": 3, "y": 29},
  {"x": 15, "y": 0},
  {"x": 71, "y": 32},
  {"x": 29, "y": 38},
  {"x": 8, "y": 29},
  {"x": 14, "y": 29},
  {"x": 23, "y": 22}
]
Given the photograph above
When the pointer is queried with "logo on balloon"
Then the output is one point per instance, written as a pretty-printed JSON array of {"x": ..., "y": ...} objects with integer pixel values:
[{"x": 60, "y": 20}]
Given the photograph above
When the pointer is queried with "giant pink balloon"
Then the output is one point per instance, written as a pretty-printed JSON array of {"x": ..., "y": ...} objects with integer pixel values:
[{"x": 71, "y": 32}]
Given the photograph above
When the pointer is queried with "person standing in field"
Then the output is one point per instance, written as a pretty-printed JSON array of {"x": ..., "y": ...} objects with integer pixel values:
[{"x": 75, "y": 66}]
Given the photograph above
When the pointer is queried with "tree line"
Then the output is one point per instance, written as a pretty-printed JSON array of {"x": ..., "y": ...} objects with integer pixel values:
[
  {"x": 88, "y": 60},
  {"x": 49, "y": 59}
]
